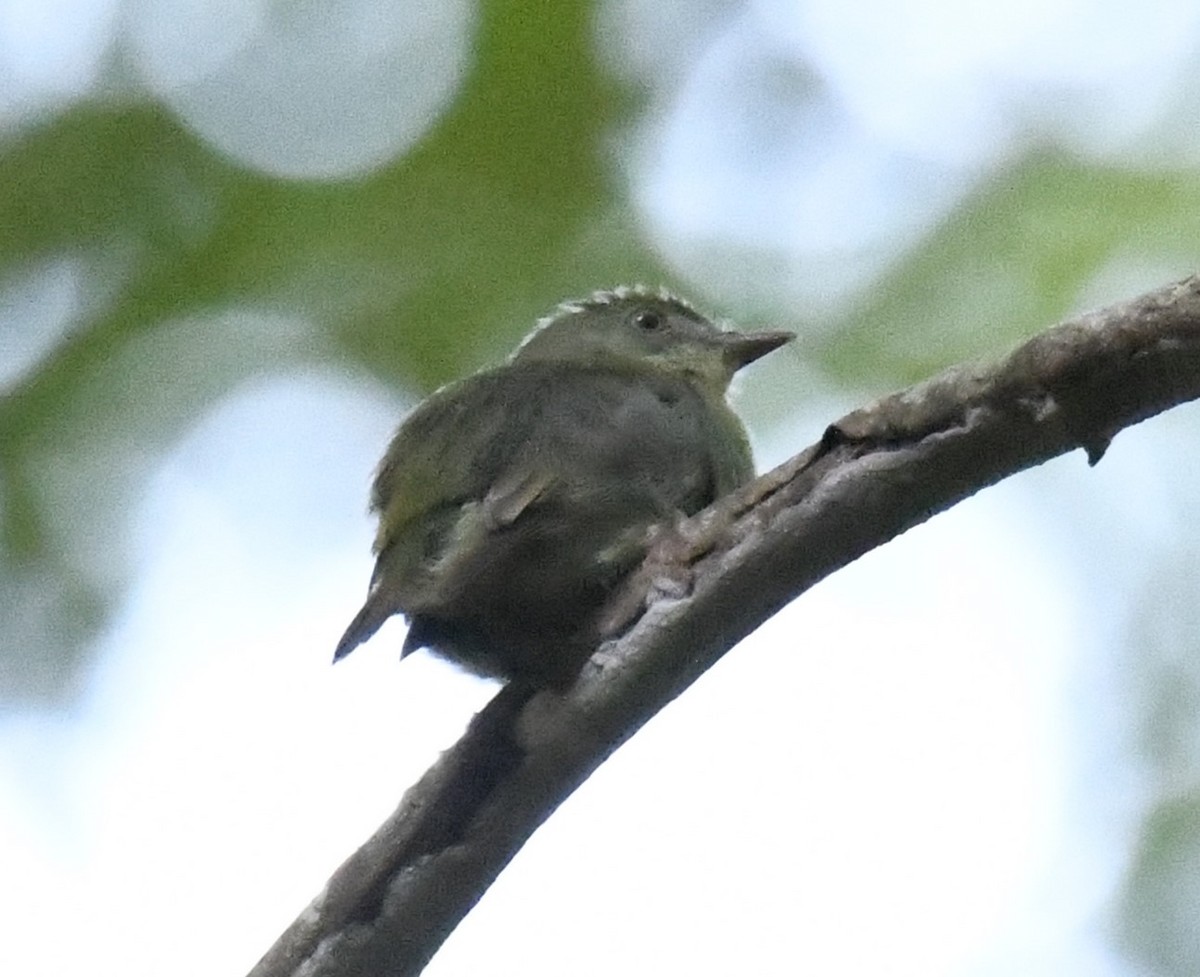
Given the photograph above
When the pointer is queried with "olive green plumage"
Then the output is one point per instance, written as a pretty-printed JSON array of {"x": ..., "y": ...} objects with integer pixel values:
[{"x": 512, "y": 502}]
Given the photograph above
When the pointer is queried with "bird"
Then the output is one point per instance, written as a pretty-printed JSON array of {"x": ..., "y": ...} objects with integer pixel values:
[{"x": 513, "y": 502}]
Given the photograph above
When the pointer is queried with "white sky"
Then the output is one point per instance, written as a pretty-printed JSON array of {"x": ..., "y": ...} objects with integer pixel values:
[{"x": 856, "y": 790}]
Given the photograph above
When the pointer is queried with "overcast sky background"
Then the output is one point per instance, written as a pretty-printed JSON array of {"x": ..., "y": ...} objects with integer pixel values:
[{"x": 921, "y": 767}]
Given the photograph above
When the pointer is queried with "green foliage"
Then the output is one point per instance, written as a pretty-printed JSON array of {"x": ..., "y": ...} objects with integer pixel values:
[
  {"x": 405, "y": 272},
  {"x": 1013, "y": 258},
  {"x": 1158, "y": 906}
]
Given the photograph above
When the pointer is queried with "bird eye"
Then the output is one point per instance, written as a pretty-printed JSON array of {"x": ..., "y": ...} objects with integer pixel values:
[{"x": 647, "y": 319}]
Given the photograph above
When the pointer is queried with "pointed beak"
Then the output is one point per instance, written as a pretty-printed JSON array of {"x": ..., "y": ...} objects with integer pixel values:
[{"x": 742, "y": 348}]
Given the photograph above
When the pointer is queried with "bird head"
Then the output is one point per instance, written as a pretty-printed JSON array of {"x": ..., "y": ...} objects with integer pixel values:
[{"x": 644, "y": 328}]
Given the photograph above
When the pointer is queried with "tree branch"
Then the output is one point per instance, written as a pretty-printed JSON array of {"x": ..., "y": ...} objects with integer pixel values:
[{"x": 875, "y": 473}]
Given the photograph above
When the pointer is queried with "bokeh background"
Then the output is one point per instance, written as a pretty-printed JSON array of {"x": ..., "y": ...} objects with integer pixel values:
[{"x": 239, "y": 238}]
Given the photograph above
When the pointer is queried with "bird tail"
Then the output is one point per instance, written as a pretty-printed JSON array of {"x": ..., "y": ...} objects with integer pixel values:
[{"x": 366, "y": 622}]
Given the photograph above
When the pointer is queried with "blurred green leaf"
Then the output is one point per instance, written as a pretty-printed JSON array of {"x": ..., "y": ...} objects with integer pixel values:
[
  {"x": 197, "y": 275},
  {"x": 1013, "y": 258},
  {"x": 1161, "y": 899}
]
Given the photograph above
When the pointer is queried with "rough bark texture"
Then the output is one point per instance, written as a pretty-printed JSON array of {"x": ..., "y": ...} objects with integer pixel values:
[{"x": 875, "y": 473}]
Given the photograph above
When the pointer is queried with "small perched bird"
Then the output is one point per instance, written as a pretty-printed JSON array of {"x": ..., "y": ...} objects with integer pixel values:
[{"x": 512, "y": 502}]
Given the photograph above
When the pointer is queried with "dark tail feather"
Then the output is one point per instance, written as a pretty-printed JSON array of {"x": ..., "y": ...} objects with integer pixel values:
[
  {"x": 422, "y": 633},
  {"x": 366, "y": 622}
]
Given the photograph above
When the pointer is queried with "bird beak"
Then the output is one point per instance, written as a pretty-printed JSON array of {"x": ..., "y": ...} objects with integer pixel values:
[{"x": 742, "y": 348}]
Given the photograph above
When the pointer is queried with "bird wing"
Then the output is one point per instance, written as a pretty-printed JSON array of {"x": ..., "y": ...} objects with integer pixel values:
[
  {"x": 449, "y": 464},
  {"x": 455, "y": 448}
]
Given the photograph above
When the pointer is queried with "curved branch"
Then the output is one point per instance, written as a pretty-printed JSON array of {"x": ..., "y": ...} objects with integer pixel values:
[{"x": 875, "y": 473}]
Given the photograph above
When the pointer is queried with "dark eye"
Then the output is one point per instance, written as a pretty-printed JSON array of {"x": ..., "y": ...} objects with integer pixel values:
[{"x": 648, "y": 320}]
